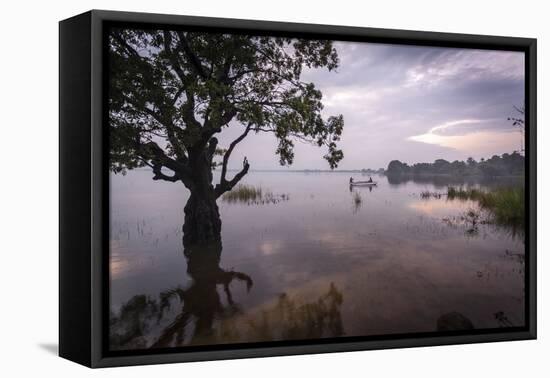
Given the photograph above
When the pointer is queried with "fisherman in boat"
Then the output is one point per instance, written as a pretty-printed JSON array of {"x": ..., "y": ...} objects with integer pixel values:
[
  {"x": 370, "y": 179},
  {"x": 351, "y": 180}
]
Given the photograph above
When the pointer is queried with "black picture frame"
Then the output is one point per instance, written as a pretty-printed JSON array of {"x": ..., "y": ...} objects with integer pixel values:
[{"x": 83, "y": 195}]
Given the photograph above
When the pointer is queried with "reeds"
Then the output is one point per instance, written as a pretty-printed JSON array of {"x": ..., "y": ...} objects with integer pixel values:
[
  {"x": 426, "y": 194},
  {"x": 243, "y": 193},
  {"x": 505, "y": 205},
  {"x": 256, "y": 195}
]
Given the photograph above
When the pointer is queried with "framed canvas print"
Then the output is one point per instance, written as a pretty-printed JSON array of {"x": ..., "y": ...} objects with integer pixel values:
[{"x": 233, "y": 188}]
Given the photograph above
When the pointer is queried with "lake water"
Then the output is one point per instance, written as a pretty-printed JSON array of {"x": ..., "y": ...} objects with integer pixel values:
[{"x": 326, "y": 261}]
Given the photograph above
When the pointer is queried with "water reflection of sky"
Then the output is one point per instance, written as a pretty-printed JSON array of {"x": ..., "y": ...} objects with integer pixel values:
[{"x": 397, "y": 265}]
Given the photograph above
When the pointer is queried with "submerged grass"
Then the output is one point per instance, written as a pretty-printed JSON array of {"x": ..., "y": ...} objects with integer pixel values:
[
  {"x": 243, "y": 193},
  {"x": 426, "y": 194},
  {"x": 505, "y": 205},
  {"x": 250, "y": 194}
]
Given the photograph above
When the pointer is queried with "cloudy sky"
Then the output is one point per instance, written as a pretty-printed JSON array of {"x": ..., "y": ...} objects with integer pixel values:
[{"x": 411, "y": 103}]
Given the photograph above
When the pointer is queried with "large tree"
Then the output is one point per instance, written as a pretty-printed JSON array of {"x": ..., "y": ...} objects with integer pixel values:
[{"x": 171, "y": 92}]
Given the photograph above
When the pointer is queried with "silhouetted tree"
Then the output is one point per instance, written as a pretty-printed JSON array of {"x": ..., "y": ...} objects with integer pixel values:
[
  {"x": 395, "y": 167},
  {"x": 519, "y": 122},
  {"x": 171, "y": 92}
]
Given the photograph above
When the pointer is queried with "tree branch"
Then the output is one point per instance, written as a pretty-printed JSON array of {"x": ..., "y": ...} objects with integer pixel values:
[
  {"x": 157, "y": 170},
  {"x": 225, "y": 186},
  {"x": 177, "y": 95},
  {"x": 195, "y": 61},
  {"x": 168, "y": 125},
  {"x": 212, "y": 145},
  {"x": 150, "y": 151},
  {"x": 188, "y": 111},
  {"x": 129, "y": 49},
  {"x": 230, "y": 150},
  {"x": 173, "y": 58}
]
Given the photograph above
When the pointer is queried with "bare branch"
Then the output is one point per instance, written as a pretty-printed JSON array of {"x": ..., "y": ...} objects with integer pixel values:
[
  {"x": 519, "y": 110},
  {"x": 239, "y": 175},
  {"x": 225, "y": 186},
  {"x": 230, "y": 150}
]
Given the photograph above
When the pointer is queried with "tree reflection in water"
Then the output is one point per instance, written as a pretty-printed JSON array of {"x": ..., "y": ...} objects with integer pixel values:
[
  {"x": 201, "y": 300},
  {"x": 203, "y": 317}
]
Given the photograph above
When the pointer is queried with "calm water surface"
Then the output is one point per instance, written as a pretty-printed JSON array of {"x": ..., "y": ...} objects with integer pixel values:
[{"x": 329, "y": 261}]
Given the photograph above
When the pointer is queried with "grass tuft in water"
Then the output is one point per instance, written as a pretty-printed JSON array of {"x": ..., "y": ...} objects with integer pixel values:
[
  {"x": 505, "y": 205},
  {"x": 426, "y": 194},
  {"x": 250, "y": 194},
  {"x": 243, "y": 193}
]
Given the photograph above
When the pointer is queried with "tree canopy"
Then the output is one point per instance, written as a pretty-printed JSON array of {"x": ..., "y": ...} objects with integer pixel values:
[{"x": 171, "y": 92}]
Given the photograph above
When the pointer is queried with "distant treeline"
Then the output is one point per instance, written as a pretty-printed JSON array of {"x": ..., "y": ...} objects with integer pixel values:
[
  {"x": 505, "y": 165},
  {"x": 370, "y": 171}
]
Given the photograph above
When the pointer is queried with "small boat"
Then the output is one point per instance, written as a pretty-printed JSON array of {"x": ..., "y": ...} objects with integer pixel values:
[{"x": 363, "y": 183}]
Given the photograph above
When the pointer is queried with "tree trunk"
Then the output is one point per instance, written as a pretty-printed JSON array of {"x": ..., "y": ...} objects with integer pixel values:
[{"x": 202, "y": 217}]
